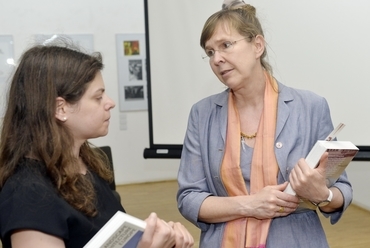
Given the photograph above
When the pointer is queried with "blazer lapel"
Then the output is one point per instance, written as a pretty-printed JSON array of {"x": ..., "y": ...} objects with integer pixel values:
[
  {"x": 283, "y": 110},
  {"x": 221, "y": 110}
]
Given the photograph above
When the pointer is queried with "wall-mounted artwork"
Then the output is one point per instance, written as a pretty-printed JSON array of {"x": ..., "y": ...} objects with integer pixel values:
[{"x": 131, "y": 60}]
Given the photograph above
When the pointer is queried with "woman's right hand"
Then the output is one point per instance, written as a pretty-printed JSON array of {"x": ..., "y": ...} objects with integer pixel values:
[
  {"x": 272, "y": 202},
  {"x": 157, "y": 234}
]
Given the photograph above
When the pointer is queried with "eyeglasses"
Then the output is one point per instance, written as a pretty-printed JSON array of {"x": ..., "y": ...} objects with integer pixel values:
[{"x": 225, "y": 47}]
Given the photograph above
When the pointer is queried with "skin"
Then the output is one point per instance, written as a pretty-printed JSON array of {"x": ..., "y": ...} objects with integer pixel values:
[
  {"x": 87, "y": 119},
  {"x": 241, "y": 71},
  {"x": 311, "y": 184}
]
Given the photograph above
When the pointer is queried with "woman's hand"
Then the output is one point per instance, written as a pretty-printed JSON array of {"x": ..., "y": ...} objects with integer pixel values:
[
  {"x": 183, "y": 237},
  {"x": 159, "y": 234},
  {"x": 272, "y": 202},
  {"x": 310, "y": 183}
]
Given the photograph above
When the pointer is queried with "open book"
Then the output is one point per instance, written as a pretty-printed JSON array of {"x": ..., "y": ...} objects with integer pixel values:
[
  {"x": 341, "y": 154},
  {"x": 121, "y": 231}
]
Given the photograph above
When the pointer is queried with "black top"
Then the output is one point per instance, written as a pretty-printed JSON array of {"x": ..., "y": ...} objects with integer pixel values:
[{"x": 28, "y": 200}]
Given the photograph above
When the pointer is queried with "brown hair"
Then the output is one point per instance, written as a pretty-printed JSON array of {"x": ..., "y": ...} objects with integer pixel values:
[
  {"x": 30, "y": 128},
  {"x": 243, "y": 19}
]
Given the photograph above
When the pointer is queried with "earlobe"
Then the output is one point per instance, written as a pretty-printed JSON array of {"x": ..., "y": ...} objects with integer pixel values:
[{"x": 60, "y": 112}]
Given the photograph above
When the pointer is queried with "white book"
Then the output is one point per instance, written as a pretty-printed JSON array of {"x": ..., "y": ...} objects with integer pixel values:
[
  {"x": 341, "y": 154},
  {"x": 121, "y": 231}
]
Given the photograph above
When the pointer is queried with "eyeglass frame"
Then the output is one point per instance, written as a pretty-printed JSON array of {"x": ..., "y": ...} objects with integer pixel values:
[{"x": 230, "y": 45}]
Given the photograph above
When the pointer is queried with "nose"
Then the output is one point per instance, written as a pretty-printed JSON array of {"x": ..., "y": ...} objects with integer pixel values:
[
  {"x": 217, "y": 58},
  {"x": 110, "y": 103}
]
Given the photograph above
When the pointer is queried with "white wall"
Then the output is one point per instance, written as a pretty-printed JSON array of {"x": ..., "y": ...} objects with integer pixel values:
[
  {"x": 104, "y": 19},
  {"x": 359, "y": 175},
  {"x": 315, "y": 45}
]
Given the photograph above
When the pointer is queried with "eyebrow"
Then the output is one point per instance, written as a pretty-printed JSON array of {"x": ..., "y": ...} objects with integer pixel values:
[
  {"x": 218, "y": 42},
  {"x": 101, "y": 90},
  {"x": 97, "y": 92}
]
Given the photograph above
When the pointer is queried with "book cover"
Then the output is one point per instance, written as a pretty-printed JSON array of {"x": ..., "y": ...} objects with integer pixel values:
[
  {"x": 341, "y": 154},
  {"x": 121, "y": 231}
]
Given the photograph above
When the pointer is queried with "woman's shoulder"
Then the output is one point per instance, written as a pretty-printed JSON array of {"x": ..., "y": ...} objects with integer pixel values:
[
  {"x": 30, "y": 177},
  {"x": 215, "y": 99},
  {"x": 27, "y": 190},
  {"x": 291, "y": 93}
]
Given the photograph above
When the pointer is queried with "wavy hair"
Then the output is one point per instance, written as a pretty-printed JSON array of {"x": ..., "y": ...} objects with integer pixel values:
[{"x": 30, "y": 128}]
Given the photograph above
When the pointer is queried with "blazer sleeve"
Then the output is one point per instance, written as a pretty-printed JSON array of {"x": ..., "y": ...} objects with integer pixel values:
[
  {"x": 342, "y": 183},
  {"x": 193, "y": 187}
]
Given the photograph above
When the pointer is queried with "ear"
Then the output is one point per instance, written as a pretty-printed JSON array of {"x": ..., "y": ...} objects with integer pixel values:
[
  {"x": 60, "y": 111},
  {"x": 259, "y": 42}
]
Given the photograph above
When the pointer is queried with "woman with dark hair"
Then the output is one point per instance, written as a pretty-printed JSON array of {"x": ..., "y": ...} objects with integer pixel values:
[{"x": 54, "y": 186}]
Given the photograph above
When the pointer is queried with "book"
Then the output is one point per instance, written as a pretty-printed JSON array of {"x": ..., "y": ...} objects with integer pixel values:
[
  {"x": 340, "y": 154},
  {"x": 121, "y": 231}
]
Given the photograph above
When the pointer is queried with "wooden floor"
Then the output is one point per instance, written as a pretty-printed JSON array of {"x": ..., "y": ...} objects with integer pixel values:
[{"x": 353, "y": 230}]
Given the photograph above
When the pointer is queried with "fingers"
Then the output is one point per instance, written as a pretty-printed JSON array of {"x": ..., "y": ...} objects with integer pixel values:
[
  {"x": 323, "y": 161},
  {"x": 148, "y": 235},
  {"x": 286, "y": 204},
  {"x": 308, "y": 182},
  {"x": 281, "y": 210},
  {"x": 165, "y": 236},
  {"x": 268, "y": 201},
  {"x": 183, "y": 238},
  {"x": 302, "y": 169},
  {"x": 157, "y": 234},
  {"x": 282, "y": 186}
]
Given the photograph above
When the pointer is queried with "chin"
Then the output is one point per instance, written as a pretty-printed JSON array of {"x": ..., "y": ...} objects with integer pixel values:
[
  {"x": 100, "y": 134},
  {"x": 104, "y": 133}
]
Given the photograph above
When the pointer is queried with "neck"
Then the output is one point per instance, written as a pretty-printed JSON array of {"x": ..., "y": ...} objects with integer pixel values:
[
  {"x": 82, "y": 166},
  {"x": 251, "y": 94},
  {"x": 80, "y": 163}
]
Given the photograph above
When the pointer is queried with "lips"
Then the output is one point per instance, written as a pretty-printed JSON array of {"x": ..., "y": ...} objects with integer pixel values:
[{"x": 225, "y": 72}]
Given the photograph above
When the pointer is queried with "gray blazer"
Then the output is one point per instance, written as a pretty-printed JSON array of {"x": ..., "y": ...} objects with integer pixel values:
[{"x": 303, "y": 118}]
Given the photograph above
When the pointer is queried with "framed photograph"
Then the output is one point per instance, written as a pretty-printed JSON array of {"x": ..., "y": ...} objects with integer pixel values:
[
  {"x": 6, "y": 68},
  {"x": 131, "y": 60}
]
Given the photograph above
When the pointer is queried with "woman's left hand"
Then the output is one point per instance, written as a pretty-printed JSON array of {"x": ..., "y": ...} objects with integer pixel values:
[{"x": 310, "y": 183}]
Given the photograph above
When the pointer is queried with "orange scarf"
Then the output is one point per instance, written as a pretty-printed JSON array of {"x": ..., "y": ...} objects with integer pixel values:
[{"x": 250, "y": 232}]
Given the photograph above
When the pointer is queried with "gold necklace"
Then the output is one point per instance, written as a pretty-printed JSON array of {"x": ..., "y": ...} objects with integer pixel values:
[{"x": 248, "y": 136}]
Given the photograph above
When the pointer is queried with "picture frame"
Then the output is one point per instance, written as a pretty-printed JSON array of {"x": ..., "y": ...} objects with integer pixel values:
[{"x": 131, "y": 67}]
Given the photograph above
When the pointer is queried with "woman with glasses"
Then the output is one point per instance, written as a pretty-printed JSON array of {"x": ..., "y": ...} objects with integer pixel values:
[{"x": 243, "y": 145}]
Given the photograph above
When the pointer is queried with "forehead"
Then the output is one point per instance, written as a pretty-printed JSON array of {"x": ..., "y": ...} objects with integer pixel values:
[
  {"x": 97, "y": 84},
  {"x": 223, "y": 31}
]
